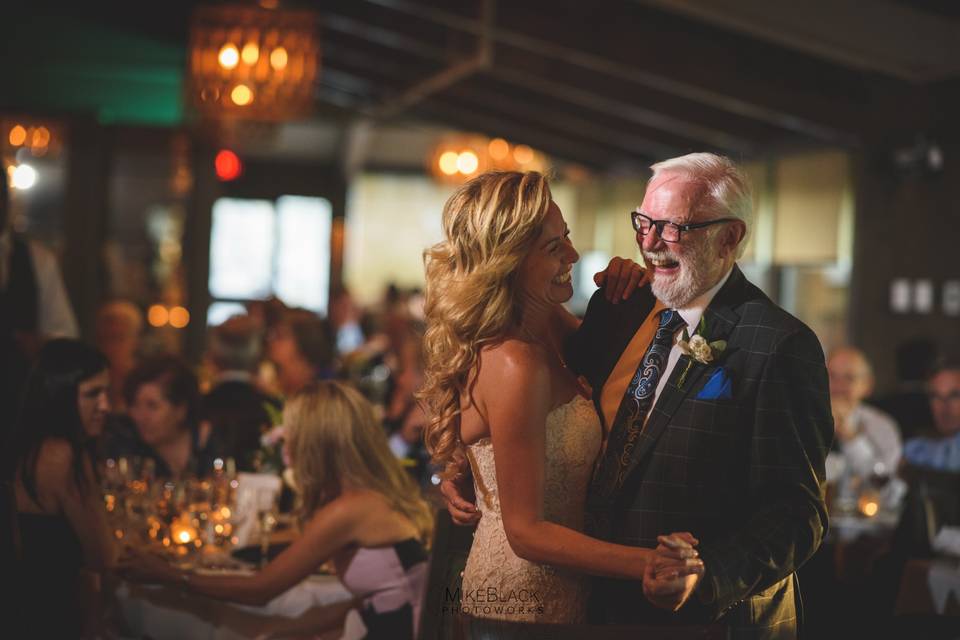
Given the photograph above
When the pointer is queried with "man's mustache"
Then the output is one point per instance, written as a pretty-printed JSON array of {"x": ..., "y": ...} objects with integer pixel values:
[{"x": 659, "y": 256}]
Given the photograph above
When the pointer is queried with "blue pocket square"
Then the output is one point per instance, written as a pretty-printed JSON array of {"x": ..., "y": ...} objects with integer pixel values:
[{"x": 718, "y": 387}]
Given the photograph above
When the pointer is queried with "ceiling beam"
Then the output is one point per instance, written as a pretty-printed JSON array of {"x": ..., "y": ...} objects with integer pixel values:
[
  {"x": 562, "y": 84},
  {"x": 564, "y": 144},
  {"x": 507, "y": 100},
  {"x": 894, "y": 39},
  {"x": 643, "y": 49}
]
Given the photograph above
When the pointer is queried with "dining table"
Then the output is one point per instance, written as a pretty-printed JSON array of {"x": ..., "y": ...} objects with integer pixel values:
[
  {"x": 318, "y": 607},
  {"x": 214, "y": 526}
]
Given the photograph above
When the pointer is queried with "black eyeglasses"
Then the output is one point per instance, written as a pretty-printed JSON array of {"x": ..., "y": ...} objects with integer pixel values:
[{"x": 668, "y": 231}]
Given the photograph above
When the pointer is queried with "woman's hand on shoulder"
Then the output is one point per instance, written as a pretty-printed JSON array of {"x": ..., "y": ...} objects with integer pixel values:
[{"x": 621, "y": 278}]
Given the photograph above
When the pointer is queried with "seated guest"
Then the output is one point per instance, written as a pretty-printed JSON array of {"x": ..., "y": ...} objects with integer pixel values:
[
  {"x": 359, "y": 508},
  {"x": 118, "y": 328},
  {"x": 344, "y": 318},
  {"x": 60, "y": 517},
  {"x": 236, "y": 409},
  {"x": 299, "y": 346},
  {"x": 940, "y": 450},
  {"x": 164, "y": 407},
  {"x": 867, "y": 439},
  {"x": 406, "y": 442}
]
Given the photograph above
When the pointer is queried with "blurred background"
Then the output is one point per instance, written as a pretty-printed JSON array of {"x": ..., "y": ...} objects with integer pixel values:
[
  {"x": 191, "y": 157},
  {"x": 250, "y": 186}
]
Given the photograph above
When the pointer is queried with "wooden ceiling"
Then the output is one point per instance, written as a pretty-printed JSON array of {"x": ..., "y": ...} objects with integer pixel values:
[{"x": 619, "y": 84}]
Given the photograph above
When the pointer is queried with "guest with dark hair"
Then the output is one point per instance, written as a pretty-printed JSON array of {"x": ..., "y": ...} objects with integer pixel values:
[
  {"x": 237, "y": 410},
  {"x": 940, "y": 449},
  {"x": 165, "y": 409},
  {"x": 300, "y": 346},
  {"x": 60, "y": 518},
  {"x": 345, "y": 322}
]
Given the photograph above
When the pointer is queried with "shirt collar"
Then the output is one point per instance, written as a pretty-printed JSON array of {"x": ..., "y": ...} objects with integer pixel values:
[{"x": 692, "y": 313}]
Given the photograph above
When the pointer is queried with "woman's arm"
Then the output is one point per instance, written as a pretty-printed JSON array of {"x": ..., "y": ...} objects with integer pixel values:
[
  {"x": 517, "y": 416},
  {"x": 621, "y": 278},
  {"x": 83, "y": 507},
  {"x": 328, "y": 531}
]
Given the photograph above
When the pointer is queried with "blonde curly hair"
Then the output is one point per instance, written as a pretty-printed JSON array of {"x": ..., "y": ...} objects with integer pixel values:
[
  {"x": 489, "y": 225},
  {"x": 337, "y": 442}
]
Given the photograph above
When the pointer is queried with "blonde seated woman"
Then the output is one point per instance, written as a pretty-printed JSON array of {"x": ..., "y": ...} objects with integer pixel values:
[
  {"x": 501, "y": 396},
  {"x": 360, "y": 509}
]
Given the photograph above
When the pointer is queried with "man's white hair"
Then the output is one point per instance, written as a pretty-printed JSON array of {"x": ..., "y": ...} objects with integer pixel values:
[{"x": 727, "y": 191}]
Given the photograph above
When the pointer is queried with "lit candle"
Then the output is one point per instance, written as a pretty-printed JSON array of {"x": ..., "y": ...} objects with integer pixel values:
[{"x": 182, "y": 530}]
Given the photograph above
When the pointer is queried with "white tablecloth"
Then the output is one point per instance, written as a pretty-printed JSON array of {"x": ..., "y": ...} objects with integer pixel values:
[{"x": 161, "y": 612}]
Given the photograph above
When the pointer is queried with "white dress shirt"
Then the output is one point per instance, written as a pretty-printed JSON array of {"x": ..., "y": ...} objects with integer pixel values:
[
  {"x": 691, "y": 315},
  {"x": 876, "y": 447}
]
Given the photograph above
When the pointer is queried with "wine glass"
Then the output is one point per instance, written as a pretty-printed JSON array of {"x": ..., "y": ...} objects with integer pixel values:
[{"x": 267, "y": 514}]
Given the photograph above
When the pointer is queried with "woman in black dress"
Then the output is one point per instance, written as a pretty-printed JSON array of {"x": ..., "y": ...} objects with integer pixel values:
[{"x": 60, "y": 522}]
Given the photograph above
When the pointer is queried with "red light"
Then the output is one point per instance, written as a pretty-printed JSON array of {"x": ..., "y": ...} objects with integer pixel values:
[{"x": 228, "y": 165}]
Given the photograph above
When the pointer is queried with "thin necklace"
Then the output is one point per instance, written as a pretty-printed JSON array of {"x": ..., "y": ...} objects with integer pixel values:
[{"x": 549, "y": 347}]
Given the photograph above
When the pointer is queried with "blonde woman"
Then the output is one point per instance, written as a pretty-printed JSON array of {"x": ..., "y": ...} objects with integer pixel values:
[
  {"x": 360, "y": 508},
  {"x": 501, "y": 395}
]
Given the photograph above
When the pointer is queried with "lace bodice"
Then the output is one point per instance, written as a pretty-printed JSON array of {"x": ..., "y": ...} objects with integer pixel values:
[{"x": 498, "y": 584}]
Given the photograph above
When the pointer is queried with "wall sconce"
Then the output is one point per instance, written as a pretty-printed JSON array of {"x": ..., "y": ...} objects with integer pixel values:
[{"x": 252, "y": 62}]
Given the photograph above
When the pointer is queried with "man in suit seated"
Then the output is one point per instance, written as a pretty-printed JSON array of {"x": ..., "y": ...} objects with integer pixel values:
[
  {"x": 940, "y": 450},
  {"x": 237, "y": 410}
]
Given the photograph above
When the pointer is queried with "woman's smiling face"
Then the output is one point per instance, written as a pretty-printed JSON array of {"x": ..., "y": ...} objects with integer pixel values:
[{"x": 545, "y": 274}]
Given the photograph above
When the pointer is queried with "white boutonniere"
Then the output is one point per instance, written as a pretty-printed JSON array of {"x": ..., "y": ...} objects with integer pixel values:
[{"x": 698, "y": 348}]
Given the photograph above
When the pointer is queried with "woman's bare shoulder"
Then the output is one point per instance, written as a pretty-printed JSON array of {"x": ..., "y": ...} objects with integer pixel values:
[
  {"x": 512, "y": 358},
  {"x": 55, "y": 458}
]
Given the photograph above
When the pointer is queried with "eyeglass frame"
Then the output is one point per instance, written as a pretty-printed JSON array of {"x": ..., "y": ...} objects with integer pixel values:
[{"x": 681, "y": 228}]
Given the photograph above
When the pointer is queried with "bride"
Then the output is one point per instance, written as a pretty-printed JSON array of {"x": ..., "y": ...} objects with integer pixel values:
[{"x": 501, "y": 396}]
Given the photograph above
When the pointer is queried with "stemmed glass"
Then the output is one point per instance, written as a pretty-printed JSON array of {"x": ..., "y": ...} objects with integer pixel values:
[{"x": 267, "y": 514}]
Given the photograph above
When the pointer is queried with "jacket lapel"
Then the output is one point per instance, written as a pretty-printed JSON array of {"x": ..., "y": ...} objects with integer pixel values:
[{"x": 721, "y": 318}]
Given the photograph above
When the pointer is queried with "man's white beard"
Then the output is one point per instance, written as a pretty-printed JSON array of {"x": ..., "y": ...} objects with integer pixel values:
[{"x": 696, "y": 275}]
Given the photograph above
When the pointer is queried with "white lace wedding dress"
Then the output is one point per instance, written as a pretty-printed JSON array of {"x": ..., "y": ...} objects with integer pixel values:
[{"x": 496, "y": 583}]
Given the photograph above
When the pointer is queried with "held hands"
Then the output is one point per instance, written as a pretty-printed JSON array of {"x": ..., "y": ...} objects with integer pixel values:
[
  {"x": 458, "y": 494},
  {"x": 621, "y": 278},
  {"x": 674, "y": 572}
]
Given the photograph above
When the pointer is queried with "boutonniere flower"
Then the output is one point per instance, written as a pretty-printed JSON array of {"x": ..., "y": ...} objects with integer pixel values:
[{"x": 698, "y": 348}]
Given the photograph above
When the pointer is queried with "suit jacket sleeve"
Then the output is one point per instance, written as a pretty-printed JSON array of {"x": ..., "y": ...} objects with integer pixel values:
[
  {"x": 786, "y": 518},
  {"x": 579, "y": 345}
]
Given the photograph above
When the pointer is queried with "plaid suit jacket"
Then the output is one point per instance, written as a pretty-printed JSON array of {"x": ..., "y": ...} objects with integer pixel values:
[{"x": 743, "y": 474}]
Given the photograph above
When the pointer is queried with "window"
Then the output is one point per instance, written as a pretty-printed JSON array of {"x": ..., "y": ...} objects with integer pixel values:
[{"x": 260, "y": 248}]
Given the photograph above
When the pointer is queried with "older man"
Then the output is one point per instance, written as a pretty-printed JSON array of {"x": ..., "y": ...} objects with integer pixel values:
[
  {"x": 717, "y": 407},
  {"x": 867, "y": 439}
]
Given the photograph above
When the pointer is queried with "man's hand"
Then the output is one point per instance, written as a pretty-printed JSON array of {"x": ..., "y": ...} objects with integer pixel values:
[
  {"x": 844, "y": 428},
  {"x": 458, "y": 494},
  {"x": 621, "y": 278},
  {"x": 674, "y": 573}
]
